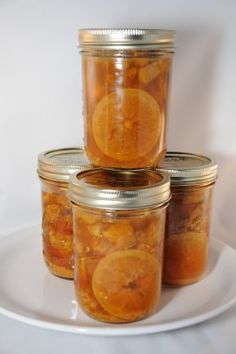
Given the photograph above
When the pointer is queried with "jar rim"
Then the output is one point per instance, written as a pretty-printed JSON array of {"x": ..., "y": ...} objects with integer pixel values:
[
  {"x": 188, "y": 168},
  {"x": 125, "y": 38},
  {"x": 59, "y": 164},
  {"x": 125, "y": 191}
]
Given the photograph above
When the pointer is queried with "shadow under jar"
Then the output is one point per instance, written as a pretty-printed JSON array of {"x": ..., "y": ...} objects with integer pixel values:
[
  {"x": 54, "y": 169},
  {"x": 188, "y": 216},
  {"x": 125, "y": 95},
  {"x": 119, "y": 225}
]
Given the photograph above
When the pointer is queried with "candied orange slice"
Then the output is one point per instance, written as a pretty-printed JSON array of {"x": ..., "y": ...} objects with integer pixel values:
[
  {"x": 106, "y": 238},
  {"x": 127, "y": 124},
  {"x": 83, "y": 287},
  {"x": 151, "y": 238},
  {"x": 127, "y": 284},
  {"x": 120, "y": 235},
  {"x": 52, "y": 213},
  {"x": 55, "y": 198},
  {"x": 190, "y": 196},
  {"x": 149, "y": 72},
  {"x": 185, "y": 257},
  {"x": 61, "y": 241},
  {"x": 87, "y": 217}
]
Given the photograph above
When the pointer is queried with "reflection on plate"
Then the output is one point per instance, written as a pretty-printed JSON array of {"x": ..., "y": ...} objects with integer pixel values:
[{"x": 30, "y": 294}]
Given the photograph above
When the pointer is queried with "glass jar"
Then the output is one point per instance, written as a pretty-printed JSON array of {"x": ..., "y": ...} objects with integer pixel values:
[
  {"x": 125, "y": 94},
  {"x": 54, "y": 169},
  {"x": 188, "y": 216},
  {"x": 119, "y": 224}
]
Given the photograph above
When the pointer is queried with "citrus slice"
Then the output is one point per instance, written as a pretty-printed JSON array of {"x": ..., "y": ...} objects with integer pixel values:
[
  {"x": 127, "y": 284},
  {"x": 83, "y": 286},
  {"x": 105, "y": 238},
  {"x": 185, "y": 257},
  {"x": 120, "y": 236},
  {"x": 127, "y": 124},
  {"x": 149, "y": 72},
  {"x": 190, "y": 197},
  {"x": 150, "y": 239}
]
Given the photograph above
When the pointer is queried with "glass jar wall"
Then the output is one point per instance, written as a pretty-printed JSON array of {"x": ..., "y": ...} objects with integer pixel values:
[
  {"x": 54, "y": 169},
  {"x": 119, "y": 225},
  {"x": 57, "y": 228},
  {"x": 187, "y": 229},
  {"x": 188, "y": 216},
  {"x": 125, "y": 94}
]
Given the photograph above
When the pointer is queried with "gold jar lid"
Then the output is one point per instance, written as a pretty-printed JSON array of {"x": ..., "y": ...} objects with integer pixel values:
[
  {"x": 126, "y": 38},
  {"x": 188, "y": 169},
  {"x": 119, "y": 189},
  {"x": 59, "y": 164}
]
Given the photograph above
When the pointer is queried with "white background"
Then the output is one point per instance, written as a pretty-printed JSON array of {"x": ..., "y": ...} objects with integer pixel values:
[{"x": 40, "y": 108}]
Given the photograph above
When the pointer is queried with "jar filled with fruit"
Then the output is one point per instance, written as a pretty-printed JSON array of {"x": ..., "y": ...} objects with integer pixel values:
[
  {"x": 54, "y": 169},
  {"x": 126, "y": 76},
  {"x": 119, "y": 225},
  {"x": 188, "y": 216}
]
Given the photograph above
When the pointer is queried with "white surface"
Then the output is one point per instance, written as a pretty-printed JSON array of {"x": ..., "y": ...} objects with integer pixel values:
[
  {"x": 40, "y": 83},
  {"x": 51, "y": 303},
  {"x": 40, "y": 105}
]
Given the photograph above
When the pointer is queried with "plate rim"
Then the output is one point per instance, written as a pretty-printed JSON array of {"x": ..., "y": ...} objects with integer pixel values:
[{"x": 116, "y": 329}]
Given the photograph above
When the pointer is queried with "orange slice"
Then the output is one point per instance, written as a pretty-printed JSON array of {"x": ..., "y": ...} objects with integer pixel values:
[
  {"x": 151, "y": 238},
  {"x": 120, "y": 235},
  {"x": 127, "y": 124},
  {"x": 60, "y": 241},
  {"x": 84, "y": 292},
  {"x": 190, "y": 196},
  {"x": 86, "y": 217},
  {"x": 185, "y": 257},
  {"x": 149, "y": 72},
  {"x": 106, "y": 238},
  {"x": 55, "y": 198},
  {"x": 127, "y": 284},
  {"x": 52, "y": 213}
]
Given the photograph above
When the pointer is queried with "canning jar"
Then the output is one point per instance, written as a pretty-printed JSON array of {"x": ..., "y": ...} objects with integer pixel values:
[
  {"x": 126, "y": 76},
  {"x": 54, "y": 169},
  {"x": 119, "y": 224},
  {"x": 188, "y": 216}
]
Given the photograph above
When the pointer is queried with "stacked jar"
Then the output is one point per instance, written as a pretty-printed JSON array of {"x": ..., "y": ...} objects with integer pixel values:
[
  {"x": 119, "y": 204},
  {"x": 188, "y": 216},
  {"x": 119, "y": 226},
  {"x": 126, "y": 76},
  {"x": 54, "y": 170},
  {"x": 119, "y": 209}
]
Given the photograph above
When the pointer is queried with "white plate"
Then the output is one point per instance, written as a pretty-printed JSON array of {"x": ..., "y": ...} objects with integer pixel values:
[{"x": 30, "y": 294}]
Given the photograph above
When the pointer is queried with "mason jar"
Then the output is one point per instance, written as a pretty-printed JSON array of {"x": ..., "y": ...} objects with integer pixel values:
[
  {"x": 119, "y": 224},
  {"x": 126, "y": 74},
  {"x": 54, "y": 170},
  {"x": 188, "y": 216}
]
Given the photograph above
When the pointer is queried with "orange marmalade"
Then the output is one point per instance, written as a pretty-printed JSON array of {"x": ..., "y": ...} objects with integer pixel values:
[
  {"x": 119, "y": 224},
  {"x": 125, "y": 92},
  {"x": 54, "y": 169},
  {"x": 188, "y": 216}
]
